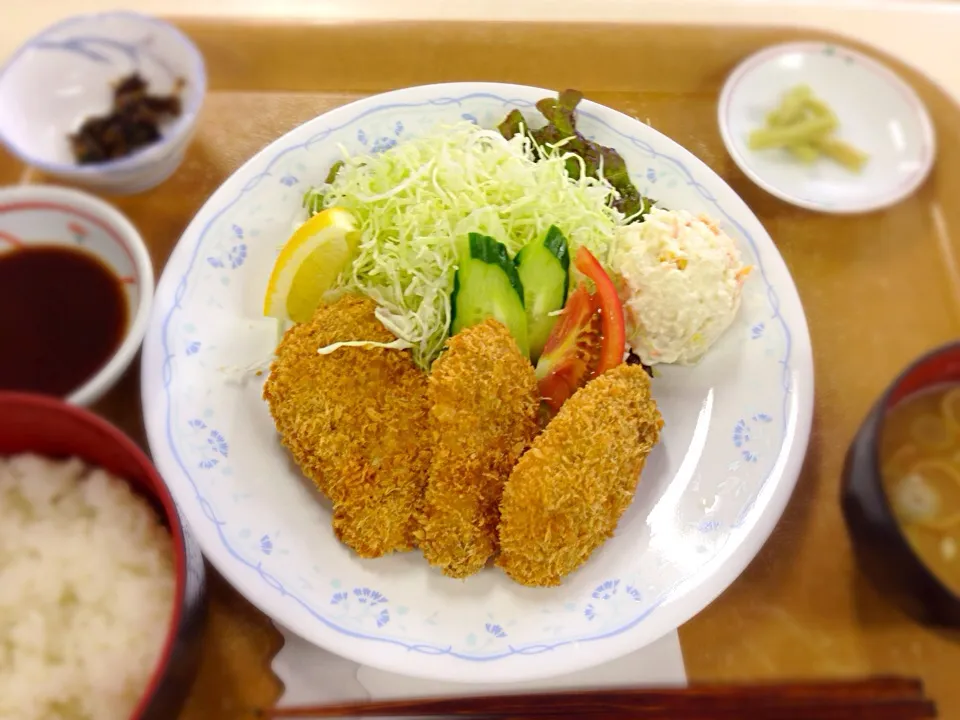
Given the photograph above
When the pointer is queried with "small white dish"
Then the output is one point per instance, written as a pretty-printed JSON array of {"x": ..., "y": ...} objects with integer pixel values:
[
  {"x": 61, "y": 216},
  {"x": 66, "y": 74},
  {"x": 879, "y": 114}
]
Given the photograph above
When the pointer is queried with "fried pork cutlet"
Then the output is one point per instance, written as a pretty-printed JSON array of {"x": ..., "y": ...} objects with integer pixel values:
[
  {"x": 354, "y": 420},
  {"x": 565, "y": 496},
  {"x": 483, "y": 415}
]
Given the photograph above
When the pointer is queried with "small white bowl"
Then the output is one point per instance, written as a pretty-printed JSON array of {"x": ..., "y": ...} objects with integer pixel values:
[
  {"x": 878, "y": 113},
  {"x": 54, "y": 215},
  {"x": 66, "y": 74}
]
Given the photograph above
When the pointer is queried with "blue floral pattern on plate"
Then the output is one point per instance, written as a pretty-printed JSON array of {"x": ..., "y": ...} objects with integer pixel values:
[
  {"x": 443, "y": 621},
  {"x": 108, "y": 51}
]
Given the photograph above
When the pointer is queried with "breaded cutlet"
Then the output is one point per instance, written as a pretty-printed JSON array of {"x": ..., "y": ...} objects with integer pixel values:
[
  {"x": 565, "y": 497},
  {"x": 355, "y": 422},
  {"x": 483, "y": 414}
]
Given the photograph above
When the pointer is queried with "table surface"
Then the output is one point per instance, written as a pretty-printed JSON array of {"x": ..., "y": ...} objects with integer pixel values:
[
  {"x": 921, "y": 32},
  {"x": 878, "y": 290}
]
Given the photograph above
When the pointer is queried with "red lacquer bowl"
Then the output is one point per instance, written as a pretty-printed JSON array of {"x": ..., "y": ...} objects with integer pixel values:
[{"x": 50, "y": 427}]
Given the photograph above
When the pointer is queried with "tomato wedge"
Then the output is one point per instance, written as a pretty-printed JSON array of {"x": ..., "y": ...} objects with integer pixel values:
[
  {"x": 611, "y": 311},
  {"x": 588, "y": 339},
  {"x": 572, "y": 350}
]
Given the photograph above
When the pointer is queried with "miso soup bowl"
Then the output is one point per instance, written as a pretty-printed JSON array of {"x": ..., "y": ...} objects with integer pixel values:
[{"x": 882, "y": 550}]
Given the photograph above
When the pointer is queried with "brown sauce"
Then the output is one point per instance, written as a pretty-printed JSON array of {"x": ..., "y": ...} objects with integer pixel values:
[{"x": 63, "y": 314}]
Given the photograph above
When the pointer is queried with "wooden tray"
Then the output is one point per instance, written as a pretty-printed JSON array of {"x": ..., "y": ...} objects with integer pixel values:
[{"x": 878, "y": 290}]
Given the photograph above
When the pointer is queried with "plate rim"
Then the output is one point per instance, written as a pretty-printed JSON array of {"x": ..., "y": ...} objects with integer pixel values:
[
  {"x": 879, "y": 202},
  {"x": 723, "y": 569}
]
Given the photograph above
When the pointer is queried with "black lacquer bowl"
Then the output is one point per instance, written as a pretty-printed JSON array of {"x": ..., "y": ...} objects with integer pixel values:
[{"x": 882, "y": 549}]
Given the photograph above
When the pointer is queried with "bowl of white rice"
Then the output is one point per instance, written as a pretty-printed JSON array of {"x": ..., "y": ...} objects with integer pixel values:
[{"x": 102, "y": 597}]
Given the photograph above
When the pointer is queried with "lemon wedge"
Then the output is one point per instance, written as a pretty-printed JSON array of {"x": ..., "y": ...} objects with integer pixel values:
[{"x": 309, "y": 264}]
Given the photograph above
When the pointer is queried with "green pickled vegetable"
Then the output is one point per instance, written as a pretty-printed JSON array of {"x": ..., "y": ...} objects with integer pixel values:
[
  {"x": 797, "y": 133},
  {"x": 803, "y": 126}
]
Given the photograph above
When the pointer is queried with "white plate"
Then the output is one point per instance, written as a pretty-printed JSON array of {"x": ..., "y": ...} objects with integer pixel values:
[
  {"x": 736, "y": 429},
  {"x": 878, "y": 112}
]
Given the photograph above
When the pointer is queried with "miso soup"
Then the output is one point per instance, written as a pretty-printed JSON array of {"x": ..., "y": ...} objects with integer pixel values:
[{"x": 920, "y": 463}]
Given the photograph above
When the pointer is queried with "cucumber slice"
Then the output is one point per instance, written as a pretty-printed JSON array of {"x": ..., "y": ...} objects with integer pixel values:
[
  {"x": 544, "y": 270},
  {"x": 488, "y": 285}
]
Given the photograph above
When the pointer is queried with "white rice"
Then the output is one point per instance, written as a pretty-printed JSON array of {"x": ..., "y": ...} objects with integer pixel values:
[{"x": 86, "y": 591}]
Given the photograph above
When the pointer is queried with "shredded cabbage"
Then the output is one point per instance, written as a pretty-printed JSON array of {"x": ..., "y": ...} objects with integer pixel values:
[{"x": 414, "y": 201}]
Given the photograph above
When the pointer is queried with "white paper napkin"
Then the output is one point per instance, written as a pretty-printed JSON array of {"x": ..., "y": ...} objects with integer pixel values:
[{"x": 313, "y": 676}]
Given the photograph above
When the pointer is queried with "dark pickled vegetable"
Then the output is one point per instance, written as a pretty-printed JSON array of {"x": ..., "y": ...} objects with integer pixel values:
[{"x": 133, "y": 122}]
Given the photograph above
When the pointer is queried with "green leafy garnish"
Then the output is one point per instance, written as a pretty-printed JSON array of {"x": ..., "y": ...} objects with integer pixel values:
[
  {"x": 561, "y": 130},
  {"x": 313, "y": 201},
  {"x": 332, "y": 173},
  {"x": 313, "y": 198}
]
